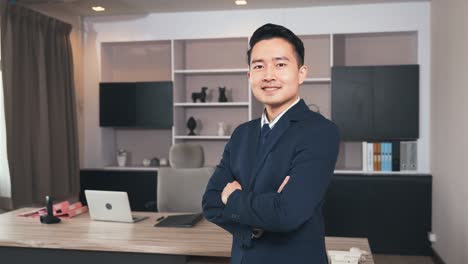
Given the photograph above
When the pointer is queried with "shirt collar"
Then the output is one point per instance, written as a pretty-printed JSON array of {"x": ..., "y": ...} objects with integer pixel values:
[{"x": 264, "y": 119}]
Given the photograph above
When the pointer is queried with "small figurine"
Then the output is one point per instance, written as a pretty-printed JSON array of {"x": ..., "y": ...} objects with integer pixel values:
[
  {"x": 222, "y": 94},
  {"x": 201, "y": 95}
]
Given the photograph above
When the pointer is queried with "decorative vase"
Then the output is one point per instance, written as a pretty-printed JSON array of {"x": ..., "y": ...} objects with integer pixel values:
[
  {"x": 221, "y": 129},
  {"x": 146, "y": 162},
  {"x": 121, "y": 157},
  {"x": 163, "y": 162}
]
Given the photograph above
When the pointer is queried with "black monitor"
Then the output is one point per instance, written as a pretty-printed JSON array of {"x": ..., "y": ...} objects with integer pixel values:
[
  {"x": 136, "y": 104},
  {"x": 376, "y": 103}
]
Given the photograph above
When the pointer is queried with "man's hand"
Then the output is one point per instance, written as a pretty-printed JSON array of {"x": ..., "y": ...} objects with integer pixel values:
[
  {"x": 232, "y": 186},
  {"x": 228, "y": 190},
  {"x": 283, "y": 184}
]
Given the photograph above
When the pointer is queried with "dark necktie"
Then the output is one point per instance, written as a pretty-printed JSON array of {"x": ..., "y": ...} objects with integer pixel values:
[{"x": 265, "y": 132}]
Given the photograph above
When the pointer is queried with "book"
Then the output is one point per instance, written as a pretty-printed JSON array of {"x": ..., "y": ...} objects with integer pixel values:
[
  {"x": 62, "y": 209},
  {"x": 74, "y": 210},
  {"x": 57, "y": 208},
  {"x": 370, "y": 156},
  {"x": 364, "y": 156},
  {"x": 383, "y": 156},
  {"x": 377, "y": 156},
  {"x": 412, "y": 156},
  {"x": 396, "y": 156},
  {"x": 390, "y": 158}
]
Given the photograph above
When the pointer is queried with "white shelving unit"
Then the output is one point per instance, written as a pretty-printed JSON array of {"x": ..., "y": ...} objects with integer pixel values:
[
  {"x": 203, "y": 137},
  {"x": 211, "y": 71},
  {"x": 378, "y": 172},
  {"x": 195, "y": 63},
  {"x": 209, "y": 104},
  {"x": 317, "y": 80},
  {"x": 205, "y": 63}
]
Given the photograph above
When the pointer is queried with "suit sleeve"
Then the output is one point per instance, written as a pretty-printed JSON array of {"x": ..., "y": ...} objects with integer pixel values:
[
  {"x": 213, "y": 206},
  {"x": 311, "y": 170}
]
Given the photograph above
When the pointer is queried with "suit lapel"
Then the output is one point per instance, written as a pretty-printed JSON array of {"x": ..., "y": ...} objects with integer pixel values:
[
  {"x": 253, "y": 136},
  {"x": 275, "y": 135},
  {"x": 257, "y": 160}
]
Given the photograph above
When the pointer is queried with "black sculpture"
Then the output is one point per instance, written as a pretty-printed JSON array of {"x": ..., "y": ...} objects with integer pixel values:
[
  {"x": 49, "y": 218},
  {"x": 222, "y": 94},
  {"x": 191, "y": 124},
  {"x": 201, "y": 95}
]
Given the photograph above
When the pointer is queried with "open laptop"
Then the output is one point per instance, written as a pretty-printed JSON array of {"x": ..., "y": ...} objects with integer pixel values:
[{"x": 110, "y": 206}]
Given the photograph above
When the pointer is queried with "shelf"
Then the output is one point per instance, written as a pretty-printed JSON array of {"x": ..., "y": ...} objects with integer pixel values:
[
  {"x": 317, "y": 80},
  {"x": 132, "y": 168},
  {"x": 203, "y": 137},
  {"x": 227, "y": 104},
  {"x": 378, "y": 172},
  {"x": 211, "y": 71}
]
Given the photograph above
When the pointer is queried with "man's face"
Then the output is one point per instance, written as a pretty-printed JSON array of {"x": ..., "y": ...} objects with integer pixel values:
[{"x": 274, "y": 74}]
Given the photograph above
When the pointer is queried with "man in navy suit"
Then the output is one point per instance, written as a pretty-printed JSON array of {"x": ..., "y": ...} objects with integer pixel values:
[{"x": 269, "y": 186}]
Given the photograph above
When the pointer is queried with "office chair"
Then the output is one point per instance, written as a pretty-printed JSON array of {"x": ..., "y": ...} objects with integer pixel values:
[{"x": 180, "y": 187}]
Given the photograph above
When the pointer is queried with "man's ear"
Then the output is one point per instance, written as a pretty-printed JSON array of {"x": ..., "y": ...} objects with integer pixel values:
[{"x": 302, "y": 73}]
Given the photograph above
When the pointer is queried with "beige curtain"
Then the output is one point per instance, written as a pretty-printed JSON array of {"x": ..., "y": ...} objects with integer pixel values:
[{"x": 39, "y": 106}]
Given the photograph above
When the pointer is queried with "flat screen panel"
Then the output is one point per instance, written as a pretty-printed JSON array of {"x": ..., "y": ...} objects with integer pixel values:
[
  {"x": 117, "y": 104},
  {"x": 376, "y": 103},
  {"x": 154, "y": 104},
  {"x": 352, "y": 102},
  {"x": 141, "y": 104},
  {"x": 396, "y": 113}
]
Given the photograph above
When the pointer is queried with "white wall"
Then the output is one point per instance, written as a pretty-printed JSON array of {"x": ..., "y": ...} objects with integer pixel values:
[
  {"x": 450, "y": 129},
  {"x": 315, "y": 20}
]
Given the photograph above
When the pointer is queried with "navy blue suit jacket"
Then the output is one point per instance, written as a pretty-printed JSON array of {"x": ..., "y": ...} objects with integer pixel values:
[{"x": 304, "y": 145}]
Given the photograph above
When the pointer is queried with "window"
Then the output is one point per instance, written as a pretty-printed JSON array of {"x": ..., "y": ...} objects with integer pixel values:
[{"x": 5, "y": 190}]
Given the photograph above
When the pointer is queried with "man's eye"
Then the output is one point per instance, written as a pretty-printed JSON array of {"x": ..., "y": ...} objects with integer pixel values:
[
  {"x": 281, "y": 65},
  {"x": 257, "y": 66}
]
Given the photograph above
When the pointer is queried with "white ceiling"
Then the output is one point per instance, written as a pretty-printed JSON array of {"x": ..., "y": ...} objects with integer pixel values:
[{"x": 120, "y": 7}]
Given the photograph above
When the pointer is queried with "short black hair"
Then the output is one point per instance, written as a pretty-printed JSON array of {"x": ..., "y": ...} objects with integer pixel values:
[{"x": 270, "y": 31}]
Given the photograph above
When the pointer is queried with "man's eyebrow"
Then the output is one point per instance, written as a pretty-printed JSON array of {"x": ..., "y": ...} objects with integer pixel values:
[
  {"x": 281, "y": 58},
  {"x": 275, "y": 59},
  {"x": 257, "y": 60}
]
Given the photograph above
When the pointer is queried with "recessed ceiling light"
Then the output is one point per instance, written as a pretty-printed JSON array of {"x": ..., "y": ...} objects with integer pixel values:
[
  {"x": 241, "y": 2},
  {"x": 98, "y": 8}
]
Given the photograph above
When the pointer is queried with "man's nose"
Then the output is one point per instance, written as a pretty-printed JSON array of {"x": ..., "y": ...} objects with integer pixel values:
[{"x": 269, "y": 74}]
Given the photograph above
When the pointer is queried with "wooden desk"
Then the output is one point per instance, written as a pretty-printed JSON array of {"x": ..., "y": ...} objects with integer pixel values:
[{"x": 80, "y": 240}]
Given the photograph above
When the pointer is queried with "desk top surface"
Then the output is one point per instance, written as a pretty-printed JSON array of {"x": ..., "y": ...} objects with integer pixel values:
[{"x": 79, "y": 233}]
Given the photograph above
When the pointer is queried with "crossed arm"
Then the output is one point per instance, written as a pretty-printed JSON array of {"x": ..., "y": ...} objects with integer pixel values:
[
  {"x": 235, "y": 185},
  {"x": 238, "y": 211}
]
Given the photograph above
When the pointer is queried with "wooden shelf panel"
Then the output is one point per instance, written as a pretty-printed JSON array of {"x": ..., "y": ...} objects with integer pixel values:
[
  {"x": 227, "y": 104},
  {"x": 203, "y": 137},
  {"x": 236, "y": 87},
  {"x": 136, "y": 61},
  {"x": 317, "y": 80},
  {"x": 216, "y": 53},
  {"x": 378, "y": 172},
  {"x": 211, "y": 71}
]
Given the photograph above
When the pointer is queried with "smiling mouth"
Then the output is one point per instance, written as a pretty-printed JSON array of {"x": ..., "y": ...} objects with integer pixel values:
[{"x": 270, "y": 88}]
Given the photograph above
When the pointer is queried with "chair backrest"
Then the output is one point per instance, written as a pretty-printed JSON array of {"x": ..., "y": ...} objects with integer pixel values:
[
  {"x": 181, "y": 190},
  {"x": 186, "y": 155}
]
